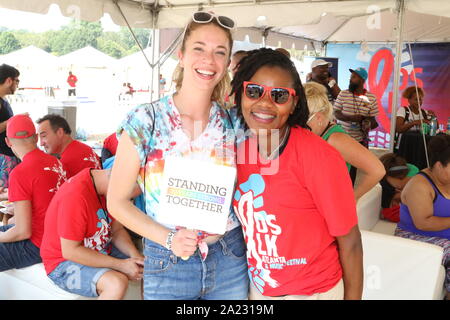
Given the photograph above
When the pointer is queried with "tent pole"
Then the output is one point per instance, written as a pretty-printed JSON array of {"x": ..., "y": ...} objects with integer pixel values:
[
  {"x": 265, "y": 34},
  {"x": 154, "y": 82},
  {"x": 131, "y": 31},
  {"x": 398, "y": 62}
]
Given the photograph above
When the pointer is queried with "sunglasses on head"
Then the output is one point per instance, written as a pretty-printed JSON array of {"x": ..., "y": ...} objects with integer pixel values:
[
  {"x": 207, "y": 17},
  {"x": 278, "y": 95}
]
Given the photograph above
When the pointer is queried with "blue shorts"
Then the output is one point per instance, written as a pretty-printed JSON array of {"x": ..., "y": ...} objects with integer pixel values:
[
  {"x": 79, "y": 279},
  {"x": 222, "y": 276},
  {"x": 19, "y": 254}
]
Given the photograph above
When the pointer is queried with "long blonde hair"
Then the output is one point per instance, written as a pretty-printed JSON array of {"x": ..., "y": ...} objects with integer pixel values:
[
  {"x": 316, "y": 95},
  {"x": 223, "y": 88}
]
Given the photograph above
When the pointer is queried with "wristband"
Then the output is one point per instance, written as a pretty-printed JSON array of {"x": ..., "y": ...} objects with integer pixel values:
[
  {"x": 169, "y": 239},
  {"x": 331, "y": 83}
]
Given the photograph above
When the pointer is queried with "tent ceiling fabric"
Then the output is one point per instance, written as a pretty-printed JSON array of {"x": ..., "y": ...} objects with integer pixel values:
[
  {"x": 346, "y": 20},
  {"x": 418, "y": 28},
  {"x": 175, "y": 13}
]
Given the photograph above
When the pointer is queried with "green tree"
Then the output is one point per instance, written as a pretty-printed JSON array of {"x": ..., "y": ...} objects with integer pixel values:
[
  {"x": 76, "y": 35},
  {"x": 141, "y": 34},
  {"x": 40, "y": 40},
  {"x": 8, "y": 42},
  {"x": 110, "y": 47}
]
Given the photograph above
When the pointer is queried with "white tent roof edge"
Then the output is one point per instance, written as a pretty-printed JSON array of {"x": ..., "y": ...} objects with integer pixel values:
[
  {"x": 279, "y": 14},
  {"x": 177, "y": 13}
]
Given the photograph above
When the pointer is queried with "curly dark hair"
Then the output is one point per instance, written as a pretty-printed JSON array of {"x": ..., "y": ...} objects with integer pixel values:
[
  {"x": 255, "y": 60},
  {"x": 410, "y": 91}
]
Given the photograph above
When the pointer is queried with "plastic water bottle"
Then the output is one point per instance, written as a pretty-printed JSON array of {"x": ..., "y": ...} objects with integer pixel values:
[
  {"x": 433, "y": 126},
  {"x": 425, "y": 128}
]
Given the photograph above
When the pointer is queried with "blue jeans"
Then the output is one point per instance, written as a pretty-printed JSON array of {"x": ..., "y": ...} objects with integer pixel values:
[
  {"x": 222, "y": 276},
  {"x": 19, "y": 254},
  {"x": 80, "y": 279}
]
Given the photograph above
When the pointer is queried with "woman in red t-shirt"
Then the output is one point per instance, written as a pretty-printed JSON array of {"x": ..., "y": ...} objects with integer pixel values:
[{"x": 294, "y": 196}]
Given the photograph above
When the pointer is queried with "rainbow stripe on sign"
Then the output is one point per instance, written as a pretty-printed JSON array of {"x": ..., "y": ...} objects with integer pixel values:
[{"x": 195, "y": 195}]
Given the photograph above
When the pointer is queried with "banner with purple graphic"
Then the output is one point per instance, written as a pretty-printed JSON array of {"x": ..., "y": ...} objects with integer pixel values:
[{"x": 431, "y": 69}]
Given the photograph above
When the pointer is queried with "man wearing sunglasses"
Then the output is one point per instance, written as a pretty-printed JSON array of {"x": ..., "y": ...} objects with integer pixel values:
[{"x": 9, "y": 82}]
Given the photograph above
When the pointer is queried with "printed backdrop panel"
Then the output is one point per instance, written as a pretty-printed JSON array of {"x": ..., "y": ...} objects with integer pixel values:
[{"x": 431, "y": 69}]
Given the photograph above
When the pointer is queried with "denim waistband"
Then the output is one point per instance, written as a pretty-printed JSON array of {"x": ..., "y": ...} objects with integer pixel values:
[{"x": 222, "y": 244}]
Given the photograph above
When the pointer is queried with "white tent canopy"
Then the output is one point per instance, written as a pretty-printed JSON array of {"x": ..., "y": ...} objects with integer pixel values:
[
  {"x": 33, "y": 75},
  {"x": 135, "y": 69},
  {"x": 382, "y": 28},
  {"x": 333, "y": 20},
  {"x": 87, "y": 57},
  {"x": 308, "y": 20},
  {"x": 28, "y": 56}
]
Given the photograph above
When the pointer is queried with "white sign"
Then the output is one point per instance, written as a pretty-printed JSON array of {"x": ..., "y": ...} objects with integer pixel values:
[{"x": 196, "y": 194}]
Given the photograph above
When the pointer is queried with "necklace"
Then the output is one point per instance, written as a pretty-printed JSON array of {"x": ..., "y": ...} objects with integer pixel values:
[{"x": 275, "y": 152}]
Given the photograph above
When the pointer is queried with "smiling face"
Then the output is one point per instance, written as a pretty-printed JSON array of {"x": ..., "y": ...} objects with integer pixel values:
[
  {"x": 49, "y": 139},
  {"x": 205, "y": 57},
  {"x": 264, "y": 113}
]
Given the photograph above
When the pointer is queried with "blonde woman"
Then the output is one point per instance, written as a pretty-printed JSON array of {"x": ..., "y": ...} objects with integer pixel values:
[
  {"x": 320, "y": 122},
  {"x": 167, "y": 128}
]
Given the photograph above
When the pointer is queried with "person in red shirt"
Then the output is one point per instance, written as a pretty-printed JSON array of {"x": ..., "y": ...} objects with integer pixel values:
[
  {"x": 72, "y": 81},
  {"x": 82, "y": 238},
  {"x": 109, "y": 147},
  {"x": 32, "y": 185},
  {"x": 294, "y": 196},
  {"x": 54, "y": 133}
]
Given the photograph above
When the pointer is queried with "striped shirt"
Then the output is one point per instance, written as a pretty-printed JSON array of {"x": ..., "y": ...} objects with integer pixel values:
[{"x": 350, "y": 104}]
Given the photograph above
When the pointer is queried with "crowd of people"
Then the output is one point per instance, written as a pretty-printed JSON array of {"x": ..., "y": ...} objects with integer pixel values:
[{"x": 290, "y": 234}]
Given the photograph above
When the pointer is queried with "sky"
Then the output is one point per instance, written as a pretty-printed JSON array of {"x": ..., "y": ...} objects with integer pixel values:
[{"x": 35, "y": 22}]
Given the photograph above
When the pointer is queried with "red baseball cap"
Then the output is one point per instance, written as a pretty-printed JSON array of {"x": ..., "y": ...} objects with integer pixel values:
[{"x": 20, "y": 127}]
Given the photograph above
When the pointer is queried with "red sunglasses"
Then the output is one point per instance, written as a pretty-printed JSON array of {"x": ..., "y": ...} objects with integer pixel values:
[{"x": 278, "y": 95}]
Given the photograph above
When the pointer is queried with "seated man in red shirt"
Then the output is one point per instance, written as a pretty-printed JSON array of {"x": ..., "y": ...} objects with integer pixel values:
[
  {"x": 33, "y": 184},
  {"x": 54, "y": 132},
  {"x": 84, "y": 250}
]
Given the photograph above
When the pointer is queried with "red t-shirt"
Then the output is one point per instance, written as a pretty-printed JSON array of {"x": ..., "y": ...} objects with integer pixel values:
[
  {"x": 75, "y": 213},
  {"x": 111, "y": 143},
  {"x": 72, "y": 80},
  {"x": 78, "y": 156},
  {"x": 36, "y": 178},
  {"x": 291, "y": 217}
]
